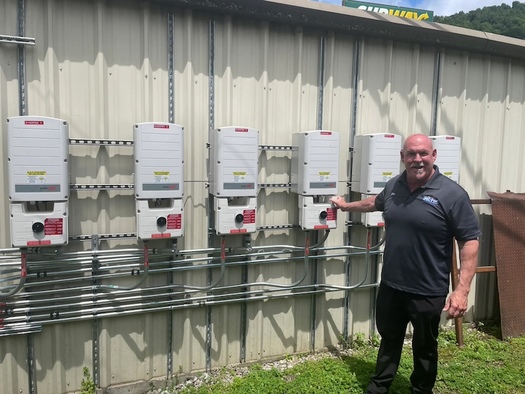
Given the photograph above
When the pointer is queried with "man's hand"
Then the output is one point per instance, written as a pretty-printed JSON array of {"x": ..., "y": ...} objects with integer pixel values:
[
  {"x": 456, "y": 305},
  {"x": 338, "y": 202},
  {"x": 366, "y": 205}
]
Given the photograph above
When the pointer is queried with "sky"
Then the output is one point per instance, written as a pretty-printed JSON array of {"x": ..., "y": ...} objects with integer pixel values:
[{"x": 440, "y": 7}]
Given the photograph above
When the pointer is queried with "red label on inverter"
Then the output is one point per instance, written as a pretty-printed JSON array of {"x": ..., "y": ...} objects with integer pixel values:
[
  {"x": 331, "y": 214},
  {"x": 238, "y": 231},
  {"x": 249, "y": 216},
  {"x": 389, "y": 135},
  {"x": 53, "y": 226},
  {"x": 36, "y": 243},
  {"x": 450, "y": 138},
  {"x": 161, "y": 126},
  {"x": 239, "y": 130},
  {"x": 174, "y": 222},
  {"x": 320, "y": 227},
  {"x": 34, "y": 122},
  {"x": 163, "y": 235},
  {"x": 326, "y": 133}
]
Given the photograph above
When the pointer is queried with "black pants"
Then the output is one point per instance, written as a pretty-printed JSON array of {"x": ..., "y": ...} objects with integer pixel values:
[{"x": 395, "y": 309}]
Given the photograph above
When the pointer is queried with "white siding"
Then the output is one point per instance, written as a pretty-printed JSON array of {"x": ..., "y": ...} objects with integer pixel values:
[{"x": 103, "y": 66}]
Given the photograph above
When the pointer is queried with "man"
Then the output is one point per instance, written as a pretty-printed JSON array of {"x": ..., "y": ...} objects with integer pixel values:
[{"x": 423, "y": 212}]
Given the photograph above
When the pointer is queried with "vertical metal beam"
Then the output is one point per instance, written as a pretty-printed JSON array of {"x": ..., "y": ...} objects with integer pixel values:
[
  {"x": 22, "y": 110},
  {"x": 315, "y": 235},
  {"x": 171, "y": 113},
  {"x": 374, "y": 270},
  {"x": 211, "y": 75},
  {"x": 31, "y": 364},
  {"x": 246, "y": 243},
  {"x": 171, "y": 68},
  {"x": 436, "y": 87},
  {"x": 313, "y": 297},
  {"x": 320, "y": 99},
  {"x": 95, "y": 265},
  {"x": 211, "y": 217},
  {"x": 169, "y": 328},
  {"x": 353, "y": 129},
  {"x": 22, "y": 90}
]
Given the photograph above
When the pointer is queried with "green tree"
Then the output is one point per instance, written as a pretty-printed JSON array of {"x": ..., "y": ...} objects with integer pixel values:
[{"x": 503, "y": 19}]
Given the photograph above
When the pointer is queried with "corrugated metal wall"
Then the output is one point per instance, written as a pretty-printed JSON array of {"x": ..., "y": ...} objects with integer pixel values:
[{"x": 105, "y": 65}]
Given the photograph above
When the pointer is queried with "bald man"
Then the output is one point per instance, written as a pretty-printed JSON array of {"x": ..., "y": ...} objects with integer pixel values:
[{"x": 423, "y": 211}]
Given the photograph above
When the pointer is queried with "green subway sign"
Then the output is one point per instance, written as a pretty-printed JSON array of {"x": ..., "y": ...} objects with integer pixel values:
[{"x": 403, "y": 12}]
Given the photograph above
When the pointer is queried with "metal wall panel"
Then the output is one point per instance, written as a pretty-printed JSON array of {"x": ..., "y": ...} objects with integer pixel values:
[
  {"x": 337, "y": 115},
  {"x": 13, "y": 361},
  {"x": 8, "y": 101},
  {"x": 61, "y": 351},
  {"x": 104, "y": 66},
  {"x": 481, "y": 100},
  {"x": 396, "y": 88}
]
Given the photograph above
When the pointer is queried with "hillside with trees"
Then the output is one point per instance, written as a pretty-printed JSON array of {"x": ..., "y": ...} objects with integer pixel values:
[{"x": 503, "y": 19}]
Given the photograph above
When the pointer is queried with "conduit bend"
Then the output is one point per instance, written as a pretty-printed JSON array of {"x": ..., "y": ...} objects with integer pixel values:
[
  {"x": 217, "y": 281},
  {"x": 369, "y": 248},
  {"x": 307, "y": 248},
  {"x": 144, "y": 276},
  {"x": 22, "y": 281}
]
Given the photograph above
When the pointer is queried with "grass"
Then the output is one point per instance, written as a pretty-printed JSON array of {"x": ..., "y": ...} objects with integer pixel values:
[{"x": 485, "y": 365}]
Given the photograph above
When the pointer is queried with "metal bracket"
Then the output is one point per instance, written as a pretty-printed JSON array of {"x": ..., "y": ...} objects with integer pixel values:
[
  {"x": 278, "y": 227},
  {"x": 274, "y": 185},
  {"x": 275, "y": 147},
  {"x": 77, "y": 141},
  {"x": 16, "y": 40},
  {"x": 101, "y": 187},
  {"x": 102, "y": 236}
]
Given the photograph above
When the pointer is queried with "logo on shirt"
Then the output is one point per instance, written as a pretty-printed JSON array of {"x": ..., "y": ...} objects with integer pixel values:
[{"x": 430, "y": 200}]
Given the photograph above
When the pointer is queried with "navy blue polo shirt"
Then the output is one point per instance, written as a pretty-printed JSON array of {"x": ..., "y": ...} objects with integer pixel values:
[{"x": 420, "y": 227}]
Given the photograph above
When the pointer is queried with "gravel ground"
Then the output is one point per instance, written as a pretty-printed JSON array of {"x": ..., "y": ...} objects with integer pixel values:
[{"x": 227, "y": 374}]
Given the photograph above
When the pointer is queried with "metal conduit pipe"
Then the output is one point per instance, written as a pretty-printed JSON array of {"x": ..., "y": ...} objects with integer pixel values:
[
  {"x": 142, "y": 297},
  {"x": 136, "y": 285},
  {"x": 161, "y": 290},
  {"x": 23, "y": 276},
  {"x": 76, "y": 256},
  {"x": 175, "y": 269},
  {"x": 221, "y": 274},
  {"x": 101, "y": 314},
  {"x": 282, "y": 285},
  {"x": 359, "y": 284},
  {"x": 223, "y": 264},
  {"x": 35, "y": 293},
  {"x": 154, "y": 306}
]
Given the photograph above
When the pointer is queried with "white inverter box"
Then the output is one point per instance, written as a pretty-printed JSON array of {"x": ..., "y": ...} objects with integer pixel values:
[
  {"x": 37, "y": 157},
  {"x": 376, "y": 160},
  {"x": 448, "y": 159},
  {"x": 159, "y": 160},
  {"x": 235, "y": 217},
  {"x": 316, "y": 216},
  {"x": 234, "y": 160},
  {"x": 39, "y": 224},
  {"x": 165, "y": 221},
  {"x": 315, "y": 163}
]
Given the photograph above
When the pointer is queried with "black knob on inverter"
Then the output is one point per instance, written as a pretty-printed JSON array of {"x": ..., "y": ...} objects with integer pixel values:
[{"x": 37, "y": 227}]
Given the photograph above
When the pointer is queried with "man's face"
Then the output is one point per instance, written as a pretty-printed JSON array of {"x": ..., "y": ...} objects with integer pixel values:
[{"x": 418, "y": 156}]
